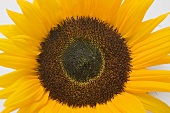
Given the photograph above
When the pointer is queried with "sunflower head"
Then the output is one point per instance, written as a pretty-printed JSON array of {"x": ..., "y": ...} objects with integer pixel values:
[{"x": 84, "y": 56}]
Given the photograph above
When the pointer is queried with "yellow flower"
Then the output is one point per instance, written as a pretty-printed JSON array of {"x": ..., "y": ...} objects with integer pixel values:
[{"x": 84, "y": 56}]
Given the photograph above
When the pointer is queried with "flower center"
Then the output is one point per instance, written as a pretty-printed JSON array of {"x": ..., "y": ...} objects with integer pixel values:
[{"x": 83, "y": 62}]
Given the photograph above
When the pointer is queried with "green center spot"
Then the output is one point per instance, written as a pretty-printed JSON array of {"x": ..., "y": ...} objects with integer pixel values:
[{"x": 82, "y": 60}]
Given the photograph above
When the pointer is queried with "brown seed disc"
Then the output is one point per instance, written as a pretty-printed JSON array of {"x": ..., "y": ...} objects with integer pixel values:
[{"x": 83, "y": 62}]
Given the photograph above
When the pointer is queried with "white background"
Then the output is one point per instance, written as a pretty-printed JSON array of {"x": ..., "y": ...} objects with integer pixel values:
[{"x": 157, "y": 8}]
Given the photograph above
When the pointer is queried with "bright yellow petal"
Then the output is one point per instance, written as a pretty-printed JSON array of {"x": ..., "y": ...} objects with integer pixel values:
[
  {"x": 164, "y": 60},
  {"x": 52, "y": 14},
  {"x": 50, "y": 106},
  {"x": 64, "y": 109},
  {"x": 152, "y": 104},
  {"x": 128, "y": 103},
  {"x": 6, "y": 92},
  {"x": 36, "y": 106},
  {"x": 102, "y": 9},
  {"x": 83, "y": 110},
  {"x": 10, "y": 30},
  {"x": 157, "y": 38},
  {"x": 24, "y": 42},
  {"x": 22, "y": 110},
  {"x": 35, "y": 3},
  {"x": 144, "y": 29},
  {"x": 25, "y": 94},
  {"x": 112, "y": 107},
  {"x": 8, "y": 47},
  {"x": 56, "y": 107},
  {"x": 34, "y": 16},
  {"x": 9, "y": 78},
  {"x": 17, "y": 62},
  {"x": 104, "y": 108},
  {"x": 154, "y": 48},
  {"x": 131, "y": 12},
  {"x": 147, "y": 86},
  {"x": 150, "y": 75},
  {"x": 22, "y": 23},
  {"x": 112, "y": 12},
  {"x": 8, "y": 110}
]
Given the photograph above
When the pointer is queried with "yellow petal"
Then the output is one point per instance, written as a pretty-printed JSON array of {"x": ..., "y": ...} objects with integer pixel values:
[
  {"x": 38, "y": 104},
  {"x": 56, "y": 107},
  {"x": 24, "y": 43},
  {"x": 25, "y": 94},
  {"x": 128, "y": 103},
  {"x": 52, "y": 14},
  {"x": 23, "y": 110},
  {"x": 102, "y": 9},
  {"x": 9, "y": 78},
  {"x": 6, "y": 92},
  {"x": 34, "y": 16},
  {"x": 17, "y": 62},
  {"x": 147, "y": 86},
  {"x": 64, "y": 109},
  {"x": 112, "y": 107},
  {"x": 164, "y": 60},
  {"x": 102, "y": 109},
  {"x": 85, "y": 109},
  {"x": 35, "y": 3},
  {"x": 150, "y": 75},
  {"x": 144, "y": 29},
  {"x": 159, "y": 37},
  {"x": 154, "y": 48},
  {"x": 8, "y": 110},
  {"x": 21, "y": 22},
  {"x": 68, "y": 8},
  {"x": 112, "y": 10},
  {"x": 131, "y": 12},
  {"x": 152, "y": 104},
  {"x": 8, "y": 47},
  {"x": 50, "y": 106},
  {"x": 132, "y": 90},
  {"x": 10, "y": 30}
]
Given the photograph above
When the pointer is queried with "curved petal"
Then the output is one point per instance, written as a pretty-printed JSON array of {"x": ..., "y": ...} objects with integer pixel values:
[
  {"x": 128, "y": 103},
  {"x": 150, "y": 75},
  {"x": 34, "y": 16},
  {"x": 131, "y": 12},
  {"x": 11, "y": 77},
  {"x": 144, "y": 30},
  {"x": 17, "y": 62},
  {"x": 53, "y": 14},
  {"x": 25, "y": 94},
  {"x": 154, "y": 48},
  {"x": 153, "y": 104},
  {"x": 147, "y": 86},
  {"x": 10, "y": 30},
  {"x": 6, "y": 92},
  {"x": 36, "y": 106},
  {"x": 22, "y": 23}
]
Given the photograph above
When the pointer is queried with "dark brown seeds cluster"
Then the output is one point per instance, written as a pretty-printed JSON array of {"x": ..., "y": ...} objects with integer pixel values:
[{"x": 66, "y": 65}]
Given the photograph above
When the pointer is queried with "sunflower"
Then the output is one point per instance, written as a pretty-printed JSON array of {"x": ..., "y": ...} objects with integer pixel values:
[{"x": 84, "y": 56}]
